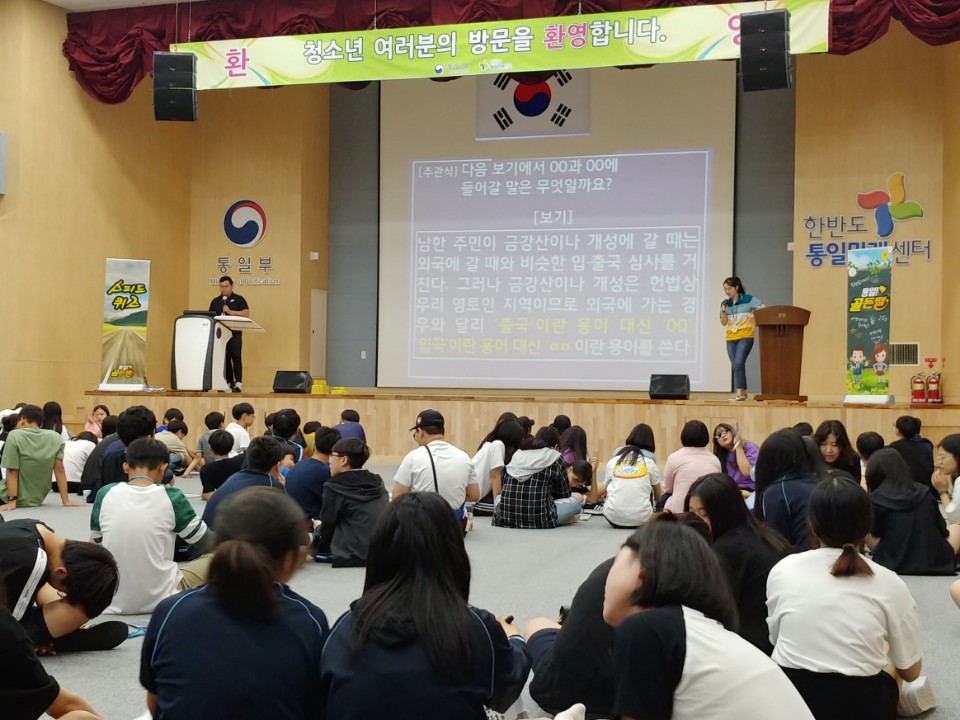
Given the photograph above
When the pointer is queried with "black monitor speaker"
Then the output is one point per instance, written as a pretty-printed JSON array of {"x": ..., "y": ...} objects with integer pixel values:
[
  {"x": 292, "y": 381},
  {"x": 669, "y": 387},
  {"x": 765, "y": 61},
  {"x": 175, "y": 86}
]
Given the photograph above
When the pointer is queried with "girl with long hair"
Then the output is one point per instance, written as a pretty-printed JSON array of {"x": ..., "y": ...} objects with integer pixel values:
[
  {"x": 53, "y": 419},
  {"x": 632, "y": 480},
  {"x": 94, "y": 423},
  {"x": 495, "y": 451},
  {"x": 536, "y": 492},
  {"x": 836, "y": 448},
  {"x": 909, "y": 535},
  {"x": 833, "y": 614},
  {"x": 747, "y": 550},
  {"x": 737, "y": 456},
  {"x": 412, "y": 646},
  {"x": 245, "y": 645},
  {"x": 944, "y": 480},
  {"x": 676, "y": 651},
  {"x": 784, "y": 485}
]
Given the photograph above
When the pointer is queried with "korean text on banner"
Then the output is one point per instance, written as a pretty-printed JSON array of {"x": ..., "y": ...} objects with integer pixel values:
[
  {"x": 126, "y": 299},
  {"x": 868, "y": 325},
  {"x": 640, "y": 37}
]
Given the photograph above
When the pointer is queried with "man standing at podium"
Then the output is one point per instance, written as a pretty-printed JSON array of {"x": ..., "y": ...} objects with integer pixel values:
[{"x": 229, "y": 303}]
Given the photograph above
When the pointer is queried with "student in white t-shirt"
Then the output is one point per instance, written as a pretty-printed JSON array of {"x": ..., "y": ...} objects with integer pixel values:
[
  {"x": 243, "y": 417},
  {"x": 139, "y": 521},
  {"x": 675, "y": 652},
  {"x": 75, "y": 453},
  {"x": 436, "y": 465},
  {"x": 493, "y": 455},
  {"x": 833, "y": 614}
]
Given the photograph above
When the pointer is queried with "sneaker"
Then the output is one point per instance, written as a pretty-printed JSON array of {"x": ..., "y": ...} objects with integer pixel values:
[
  {"x": 104, "y": 636},
  {"x": 738, "y": 398},
  {"x": 593, "y": 508},
  {"x": 916, "y": 697},
  {"x": 237, "y": 387}
]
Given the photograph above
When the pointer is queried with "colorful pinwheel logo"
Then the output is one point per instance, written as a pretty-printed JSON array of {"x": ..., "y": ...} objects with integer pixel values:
[{"x": 890, "y": 206}]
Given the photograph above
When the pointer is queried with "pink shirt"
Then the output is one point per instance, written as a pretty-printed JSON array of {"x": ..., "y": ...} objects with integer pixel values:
[{"x": 684, "y": 467}]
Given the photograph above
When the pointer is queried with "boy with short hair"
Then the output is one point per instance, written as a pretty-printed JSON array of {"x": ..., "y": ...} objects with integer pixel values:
[
  {"x": 182, "y": 460},
  {"x": 139, "y": 521},
  {"x": 353, "y": 500},
  {"x": 243, "y": 417},
  {"x": 350, "y": 426},
  {"x": 216, "y": 472},
  {"x": 213, "y": 421}
]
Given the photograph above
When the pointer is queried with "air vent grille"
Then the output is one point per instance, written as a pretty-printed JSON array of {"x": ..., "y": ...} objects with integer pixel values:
[{"x": 904, "y": 354}]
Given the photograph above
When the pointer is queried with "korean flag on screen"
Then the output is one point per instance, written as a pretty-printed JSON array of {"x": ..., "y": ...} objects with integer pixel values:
[{"x": 556, "y": 105}]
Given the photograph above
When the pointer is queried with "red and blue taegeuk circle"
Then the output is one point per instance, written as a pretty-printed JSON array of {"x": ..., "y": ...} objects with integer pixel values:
[
  {"x": 245, "y": 223},
  {"x": 532, "y": 100}
]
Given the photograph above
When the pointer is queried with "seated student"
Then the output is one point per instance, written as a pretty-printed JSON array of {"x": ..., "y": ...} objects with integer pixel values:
[
  {"x": 284, "y": 428},
  {"x": 31, "y": 456},
  {"x": 263, "y": 470},
  {"x": 349, "y": 426},
  {"x": 494, "y": 452},
  {"x": 216, "y": 472},
  {"x": 214, "y": 421},
  {"x": 838, "y": 620},
  {"x": 867, "y": 444},
  {"x": 747, "y": 550},
  {"x": 909, "y": 535},
  {"x": 536, "y": 491},
  {"x": 675, "y": 652},
  {"x": 737, "y": 456},
  {"x": 26, "y": 690},
  {"x": 182, "y": 461},
  {"x": 245, "y": 645},
  {"x": 803, "y": 429},
  {"x": 133, "y": 423},
  {"x": 641, "y": 438},
  {"x": 243, "y": 418},
  {"x": 630, "y": 488},
  {"x": 784, "y": 484},
  {"x": 287, "y": 462},
  {"x": 169, "y": 416},
  {"x": 138, "y": 521},
  {"x": 306, "y": 480},
  {"x": 309, "y": 432},
  {"x": 917, "y": 451},
  {"x": 571, "y": 662},
  {"x": 353, "y": 501},
  {"x": 685, "y": 465},
  {"x": 835, "y": 448},
  {"x": 91, "y": 468},
  {"x": 414, "y": 631},
  {"x": 55, "y": 586},
  {"x": 76, "y": 452}
]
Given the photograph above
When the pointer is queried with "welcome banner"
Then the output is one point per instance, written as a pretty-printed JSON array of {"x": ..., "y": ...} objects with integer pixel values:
[
  {"x": 126, "y": 299},
  {"x": 868, "y": 325},
  {"x": 641, "y": 37}
]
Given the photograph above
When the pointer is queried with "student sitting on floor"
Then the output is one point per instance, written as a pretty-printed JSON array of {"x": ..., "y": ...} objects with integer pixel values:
[
  {"x": 414, "y": 632},
  {"x": 214, "y": 421},
  {"x": 55, "y": 586},
  {"x": 675, "y": 653},
  {"x": 909, "y": 535},
  {"x": 26, "y": 690},
  {"x": 216, "y": 472},
  {"x": 632, "y": 490},
  {"x": 838, "y": 620},
  {"x": 305, "y": 482},
  {"x": 263, "y": 470},
  {"x": 784, "y": 484},
  {"x": 138, "y": 521},
  {"x": 245, "y": 645},
  {"x": 536, "y": 490},
  {"x": 353, "y": 500}
]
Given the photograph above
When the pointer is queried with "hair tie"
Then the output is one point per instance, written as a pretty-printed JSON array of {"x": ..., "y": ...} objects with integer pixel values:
[{"x": 851, "y": 546}]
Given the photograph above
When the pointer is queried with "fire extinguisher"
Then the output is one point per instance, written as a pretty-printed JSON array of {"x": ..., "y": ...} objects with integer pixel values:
[
  {"x": 933, "y": 389},
  {"x": 918, "y": 384}
]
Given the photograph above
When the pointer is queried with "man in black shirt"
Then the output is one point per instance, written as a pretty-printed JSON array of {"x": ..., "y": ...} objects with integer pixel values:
[{"x": 229, "y": 303}]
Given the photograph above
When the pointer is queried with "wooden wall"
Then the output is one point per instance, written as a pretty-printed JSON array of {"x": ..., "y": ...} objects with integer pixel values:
[
  {"x": 607, "y": 421},
  {"x": 860, "y": 118},
  {"x": 86, "y": 181}
]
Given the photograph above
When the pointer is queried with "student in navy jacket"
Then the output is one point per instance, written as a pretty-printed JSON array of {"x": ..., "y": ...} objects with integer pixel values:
[
  {"x": 785, "y": 482},
  {"x": 411, "y": 646}
]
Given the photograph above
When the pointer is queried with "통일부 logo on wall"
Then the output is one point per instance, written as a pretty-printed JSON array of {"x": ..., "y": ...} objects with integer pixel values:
[{"x": 245, "y": 224}]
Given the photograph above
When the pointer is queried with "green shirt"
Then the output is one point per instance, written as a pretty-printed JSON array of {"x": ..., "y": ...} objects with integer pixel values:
[{"x": 33, "y": 452}]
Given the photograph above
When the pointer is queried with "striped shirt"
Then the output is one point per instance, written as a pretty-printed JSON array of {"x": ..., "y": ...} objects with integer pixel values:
[{"x": 139, "y": 525}]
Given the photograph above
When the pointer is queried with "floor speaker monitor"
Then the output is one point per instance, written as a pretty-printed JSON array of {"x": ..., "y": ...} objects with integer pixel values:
[
  {"x": 765, "y": 62},
  {"x": 292, "y": 381},
  {"x": 669, "y": 387}
]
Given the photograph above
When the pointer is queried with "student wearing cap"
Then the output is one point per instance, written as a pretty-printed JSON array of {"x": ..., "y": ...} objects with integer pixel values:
[{"x": 436, "y": 466}]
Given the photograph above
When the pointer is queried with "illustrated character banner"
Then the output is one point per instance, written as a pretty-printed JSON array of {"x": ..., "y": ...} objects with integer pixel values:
[{"x": 868, "y": 325}]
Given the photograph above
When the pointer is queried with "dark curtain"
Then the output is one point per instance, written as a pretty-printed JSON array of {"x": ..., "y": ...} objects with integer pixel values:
[{"x": 110, "y": 51}]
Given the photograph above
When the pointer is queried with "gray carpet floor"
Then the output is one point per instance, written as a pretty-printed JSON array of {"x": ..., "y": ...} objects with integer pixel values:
[{"x": 525, "y": 573}]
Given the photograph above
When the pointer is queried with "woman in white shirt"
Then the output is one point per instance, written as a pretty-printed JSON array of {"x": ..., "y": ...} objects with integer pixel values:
[
  {"x": 832, "y": 615},
  {"x": 493, "y": 455},
  {"x": 945, "y": 481}
]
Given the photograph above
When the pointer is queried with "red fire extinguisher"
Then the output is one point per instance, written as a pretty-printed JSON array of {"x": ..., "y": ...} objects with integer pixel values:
[
  {"x": 918, "y": 384},
  {"x": 933, "y": 389}
]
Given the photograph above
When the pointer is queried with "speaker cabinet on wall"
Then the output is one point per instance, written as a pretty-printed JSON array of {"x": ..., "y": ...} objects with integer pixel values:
[
  {"x": 292, "y": 381},
  {"x": 175, "y": 86},
  {"x": 669, "y": 387},
  {"x": 765, "y": 61}
]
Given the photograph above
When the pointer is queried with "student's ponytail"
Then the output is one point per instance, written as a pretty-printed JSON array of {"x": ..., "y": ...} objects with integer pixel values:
[
  {"x": 242, "y": 575},
  {"x": 841, "y": 515},
  {"x": 256, "y": 529},
  {"x": 850, "y": 563}
]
